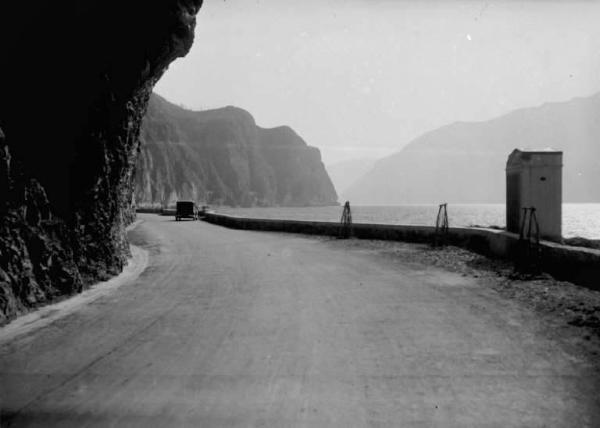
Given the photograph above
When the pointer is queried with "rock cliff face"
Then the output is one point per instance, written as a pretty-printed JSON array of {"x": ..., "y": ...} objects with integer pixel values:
[
  {"x": 74, "y": 83},
  {"x": 222, "y": 156}
]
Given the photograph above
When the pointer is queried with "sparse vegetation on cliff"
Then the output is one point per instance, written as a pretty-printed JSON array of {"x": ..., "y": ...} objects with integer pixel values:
[{"x": 221, "y": 156}]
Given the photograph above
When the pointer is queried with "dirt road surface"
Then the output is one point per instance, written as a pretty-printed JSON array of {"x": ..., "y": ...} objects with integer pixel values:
[{"x": 233, "y": 328}]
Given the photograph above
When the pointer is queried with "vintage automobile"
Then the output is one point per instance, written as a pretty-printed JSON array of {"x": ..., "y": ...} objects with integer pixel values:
[{"x": 186, "y": 209}]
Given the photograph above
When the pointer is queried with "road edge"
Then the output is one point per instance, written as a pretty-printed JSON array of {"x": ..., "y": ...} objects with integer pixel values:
[{"x": 46, "y": 315}]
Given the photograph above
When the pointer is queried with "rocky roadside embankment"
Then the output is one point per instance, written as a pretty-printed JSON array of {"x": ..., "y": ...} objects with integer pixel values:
[{"x": 72, "y": 103}]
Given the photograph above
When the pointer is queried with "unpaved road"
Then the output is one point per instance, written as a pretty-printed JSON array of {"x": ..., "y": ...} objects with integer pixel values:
[{"x": 237, "y": 328}]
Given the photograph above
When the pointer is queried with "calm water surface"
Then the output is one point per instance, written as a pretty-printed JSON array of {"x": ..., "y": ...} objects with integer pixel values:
[{"x": 578, "y": 219}]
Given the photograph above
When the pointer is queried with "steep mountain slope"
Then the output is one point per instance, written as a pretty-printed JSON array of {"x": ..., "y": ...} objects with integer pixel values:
[
  {"x": 74, "y": 84},
  {"x": 222, "y": 156},
  {"x": 465, "y": 162}
]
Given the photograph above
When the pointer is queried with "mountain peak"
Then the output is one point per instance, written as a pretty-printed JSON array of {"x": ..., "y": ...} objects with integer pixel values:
[{"x": 464, "y": 161}]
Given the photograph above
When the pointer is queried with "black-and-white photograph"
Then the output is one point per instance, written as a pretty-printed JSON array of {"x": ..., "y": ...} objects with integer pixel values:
[{"x": 318, "y": 213}]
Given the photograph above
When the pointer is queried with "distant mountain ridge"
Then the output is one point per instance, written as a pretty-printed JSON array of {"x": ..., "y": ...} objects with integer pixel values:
[
  {"x": 222, "y": 156},
  {"x": 345, "y": 173},
  {"x": 464, "y": 162}
]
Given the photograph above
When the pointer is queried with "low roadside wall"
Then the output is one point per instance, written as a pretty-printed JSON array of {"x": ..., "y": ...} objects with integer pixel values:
[{"x": 576, "y": 264}]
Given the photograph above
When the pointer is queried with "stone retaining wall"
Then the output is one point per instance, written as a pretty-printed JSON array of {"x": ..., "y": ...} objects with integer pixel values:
[{"x": 576, "y": 264}]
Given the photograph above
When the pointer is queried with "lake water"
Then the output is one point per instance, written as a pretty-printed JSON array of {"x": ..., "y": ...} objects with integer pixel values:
[{"x": 578, "y": 219}]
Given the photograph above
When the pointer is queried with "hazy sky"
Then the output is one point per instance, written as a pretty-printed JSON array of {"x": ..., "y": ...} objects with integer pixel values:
[{"x": 361, "y": 78}]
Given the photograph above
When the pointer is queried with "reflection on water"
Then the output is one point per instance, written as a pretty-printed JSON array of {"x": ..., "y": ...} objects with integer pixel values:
[{"x": 578, "y": 219}]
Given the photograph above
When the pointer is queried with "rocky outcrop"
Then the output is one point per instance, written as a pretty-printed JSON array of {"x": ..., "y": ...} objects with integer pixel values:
[
  {"x": 223, "y": 157},
  {"x": 74, "y": 83}
]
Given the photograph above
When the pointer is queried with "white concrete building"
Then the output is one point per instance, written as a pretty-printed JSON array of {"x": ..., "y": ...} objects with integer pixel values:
[{"x": 534, "y": 179}]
